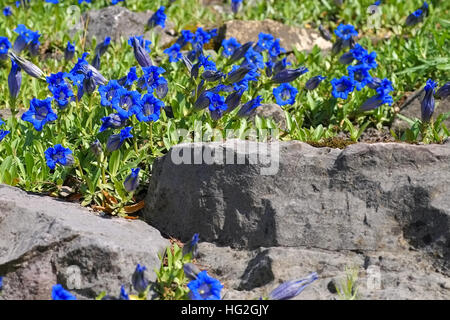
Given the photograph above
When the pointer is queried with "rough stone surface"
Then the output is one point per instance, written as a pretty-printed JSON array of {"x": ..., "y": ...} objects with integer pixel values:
[
  {"x": 290, "y": 37},
  {"x": 271, "y": 111},
  {"x": 381, "y": 274},
  {"x": 44, "y": 241},
  {"x": 367, "y": 197},
  {"x": 411, "y": 108},
  {"x": 118, "y": 22}
]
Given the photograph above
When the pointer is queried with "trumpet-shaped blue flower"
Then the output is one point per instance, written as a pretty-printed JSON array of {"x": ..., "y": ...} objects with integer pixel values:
[
  {"x": 216, "y": 101},
  {"x": 132, "y": 181},
  {"x": 191, "y": 247},
  {"x": 265, "y": 42},
  {"x": 129, "y": 79},
  {"x": 173, "y": 52},
  {"x": 288, "y": 75},
  {"x": 115, "y": 141},
  {"x": 158, "y": 18},
  {"x": 204, "y": 287},
  {"x": 414, "y": 18},
  {"x": 40, "y": 113},
  {"x": 149, "y": 108},
  {"x": 285, "y": 94},
  {"x": 275, "y": 50},
  {"x": 236, "y": 5},
  {"x": 342, "y": 87},
  {"x": 254, "y": 59},
  {"x": 186, "y": 37},
  {"x": 5, "y": 45},
  {"x": 360, "y": 75},
  {"x": 113, "y": 121},
  {"x": 376, "y": 101},
  {"x": 140, "y": 53},
  {"x": 58, "y": 293},
  {"x": 58, "y": 154},
  {"x": 230, "y": 46},
  {"x": 345, "y": 31},
  {"x": 24, "y": 39},
  {"x": 125, "y": 101},
  {"x": 7, "y": 11},
  {"x": 428, "y": 100},
  {"x": 151, "y": 78},
  {"x": 109, "y": 92},
  {"x": 3, "y": 134},
  {"x": 63, "y": 94},
  {"x": 240, "y": 52}
]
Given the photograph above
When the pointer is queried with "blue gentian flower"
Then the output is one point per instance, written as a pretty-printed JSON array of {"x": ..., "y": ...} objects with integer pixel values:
[
  {"x": 5, "y": 45},
  {"x": 206, "y": 63},
  {"x": 345, "y": 31},
  {"x": 252, "y": 75},
  {"x": 96, "y": 148},
  {"x": 235, "y": 6},
  {"x": 314, "y": 82},
  {"x": 324, "y": 33},
  {"x": 369, "y": 60},
  {"x": 26, "y": 36},
  {"x": 109, "y": 92},
  {"x": 376, "y": 101},
  {"x": 34, "y": 45},
  {"x": 142, "y": 42},
  {"x": 63, "y": 94},
  {"x": 285, "y": 94},
  {"x": 149, "y": 108},
  {"x": 233, "y": 100},
  {"x": 425, "y": 8},
  {"x": 254, "y": 59},
  {"x": 58, "y": 154},
  {"x": 204, "y": 287},
  {"x": 3, "y": 134},
  {"x": 212, "y": 75},
  {"x": 129, "y": 79},
  {"x": 288, "y": 75},
  {"x": 123, "y": 294},
  {"x": 248, "y": 108},
  {"x": 56, "y": 79},
  {"x": 173, "y": 52},
  {"x": 7, "y": 11},
  {"x": 58, "y": 293},
  {"x": 342, "y": 87},
  {"x": 114, "y": 120},
  {"x": 265, "y": 42},
  {"x": 444, "y": 91},
  {"x": 69, "y": 52},
  {"x": 139, "y": 281},
  {"x": 14, "y": 80},
  {"x": 132, "y": 181},
  {"x": 125, "y": 101},
  {"x": 375, "y": 83},
  {"x": 230, "y": 46},
  {"x": 360, "y": 75},
  {"x": 40, "y": 113},
  {"x": 275, "y": 50},
  {"x": 291, "y": 289},
  {"x": 158, "y": 18},
  {"x": 186, "y": 37},
  {"x": 414, "y": 18},
  {"x": 280, "y": 65},
  {"x": 216, "y": 101},
  {"x": 428, "y": 100},
  {"x": 151, "y": 78},
  {"x": 115, "y": 141}
]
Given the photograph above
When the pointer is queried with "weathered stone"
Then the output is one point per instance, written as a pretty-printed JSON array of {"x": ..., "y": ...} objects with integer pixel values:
[
  {"x": 44, "y": 241},
  {"x": 411, "y": 108},
  {"x": 403, "y": 274},
  {"x": 118, "y": 22},
  {"x": 271, "y": 111},
  {"x": 290, "y": 37},
  {"x": 367, "y": 197}
]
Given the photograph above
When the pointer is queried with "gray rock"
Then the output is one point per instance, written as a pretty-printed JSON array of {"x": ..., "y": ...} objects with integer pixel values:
[
  {"x": 118, "y": 22},
  {"x": 290, "y": 37},
  {"x": 44, "y": 241},
  {"x": 382, "y": 275},
  {"x": 411, "y": 108},
  {"x": 367, "y": 197},
  {"x": 271, "y": 111}
]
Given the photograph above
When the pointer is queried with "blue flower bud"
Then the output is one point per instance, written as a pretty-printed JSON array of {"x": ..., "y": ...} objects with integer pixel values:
[
  {"x": 138, "y": 279},
  {"x": 288, "y": 75},
  {"x": 324, "y": 33},
  {"x": 444, "y": 91},
  {"x": 191, "y": 271},
  {"x": 14, "y": 80},
  {"x": 291, "y": 289},
  {"x": 140, "y": 53},
  {"x": 96, "y": 148},
  {"x": 27, "y": 66},
  {"x": 233, "y": 100},
  {"x": 212, "y": 76},
  {"x": 248, "y": 108},
  {"x": 132, "y": 181},
  {"x": 428, "y": 100},
  {"x": 70, "y": 51},
  {"x": 96, "y": 61},
  {"x": 191, "y": 246},
  {"x": 115, "y": 141},
  {"x": 238, "y": 74},
  {"x": 314, "y": 82},
  {"x": 240, "y": 52}
]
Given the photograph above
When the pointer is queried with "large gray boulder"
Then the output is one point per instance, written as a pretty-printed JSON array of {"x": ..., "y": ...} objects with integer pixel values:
[
  {"x": 367, "y": 197},
  {"x": 118, "y": 22},
  {"x": 290, "y": 37},
  {"x": 44, "y": 241}
]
